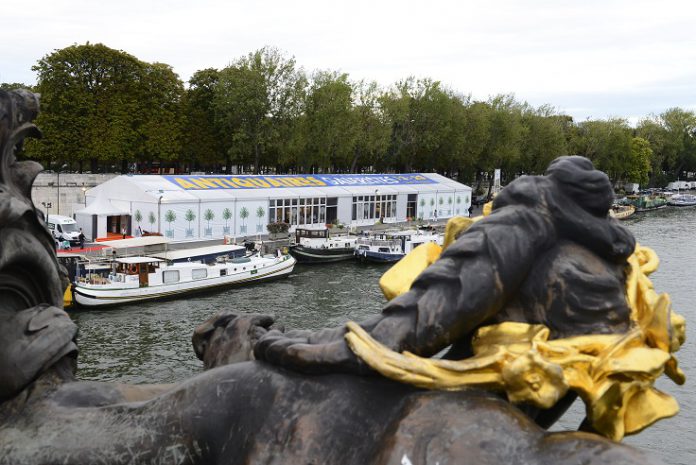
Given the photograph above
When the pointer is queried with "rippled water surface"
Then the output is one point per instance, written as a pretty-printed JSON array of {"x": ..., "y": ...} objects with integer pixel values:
[{"x": 151, "y": 342}]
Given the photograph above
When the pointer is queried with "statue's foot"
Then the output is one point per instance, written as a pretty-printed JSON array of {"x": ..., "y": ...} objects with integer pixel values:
[{"x": 229, "y": 337}]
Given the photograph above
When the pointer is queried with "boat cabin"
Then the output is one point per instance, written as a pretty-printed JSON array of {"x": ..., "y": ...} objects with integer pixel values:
[
  {"x": 310, "y": 234},
  {"x": 132, "y": 269}
]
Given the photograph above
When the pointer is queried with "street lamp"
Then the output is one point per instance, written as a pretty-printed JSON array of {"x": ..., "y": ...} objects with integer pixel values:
[
  {"x": 48, "y": 206},
  {"x": 59, "y": 170},
  {"x": 84, "y": 194}
]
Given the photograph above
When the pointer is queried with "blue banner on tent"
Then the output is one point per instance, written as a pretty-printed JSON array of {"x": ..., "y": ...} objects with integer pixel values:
[{"x": 194, "y": 182}]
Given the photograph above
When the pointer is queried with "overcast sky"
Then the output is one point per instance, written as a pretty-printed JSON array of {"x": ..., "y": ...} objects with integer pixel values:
[{"x": 586, "y": 58}]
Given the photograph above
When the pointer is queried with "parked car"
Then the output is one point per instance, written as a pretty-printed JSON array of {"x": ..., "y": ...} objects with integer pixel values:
[{"x": 479, "y": 200}]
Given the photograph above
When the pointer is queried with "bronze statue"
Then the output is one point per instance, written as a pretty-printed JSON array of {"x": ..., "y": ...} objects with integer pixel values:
[{"x": 527, "y": 262}]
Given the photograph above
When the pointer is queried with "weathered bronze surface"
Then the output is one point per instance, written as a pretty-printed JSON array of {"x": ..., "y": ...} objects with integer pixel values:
[{"x": 534, "y": 262}]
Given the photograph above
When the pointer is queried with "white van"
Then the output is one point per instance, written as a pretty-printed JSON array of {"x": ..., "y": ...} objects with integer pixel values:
[{"x": 63, "y": 228}]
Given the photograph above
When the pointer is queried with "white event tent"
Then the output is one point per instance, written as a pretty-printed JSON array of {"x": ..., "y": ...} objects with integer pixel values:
[
  {"x": 95, "y": 218},
  {"x": 191, "y": 206}
]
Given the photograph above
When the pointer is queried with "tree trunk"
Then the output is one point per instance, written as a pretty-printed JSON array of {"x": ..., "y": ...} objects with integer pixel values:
[
  {"x": 256, "y": 158},
  {"x": 354, "y": 164}
]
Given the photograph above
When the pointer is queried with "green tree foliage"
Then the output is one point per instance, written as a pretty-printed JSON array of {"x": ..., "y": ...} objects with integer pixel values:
[
  {"x": 671, "y": 136},
  {"x": 544, "y": 139},
  {"x": 254, "y": 98},
  {"x": 372, "y": 128},
  {"x": 161, "y": 119},
  {"x": 203, "y": 141},
  {"x": 13, "y": 85},
  {"x": 428, "y": 126},
  {"x": 637, "y": 169},
  {"x": 104, "y": 105},
  {"x": 503, "y": 148},
  {"x": 331, "y": 132},
  {"x": 606, "y": 143},
  {"x": 106, "y": 108}
]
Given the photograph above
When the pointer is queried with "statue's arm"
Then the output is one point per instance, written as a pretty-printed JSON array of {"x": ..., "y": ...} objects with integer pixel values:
[{"x": 467, "y": 286}]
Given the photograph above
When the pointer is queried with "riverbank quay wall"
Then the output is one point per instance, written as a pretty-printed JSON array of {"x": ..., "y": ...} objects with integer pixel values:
[
  {"x": 184, "y": 207},
  {"x": 70, "y": 188}
]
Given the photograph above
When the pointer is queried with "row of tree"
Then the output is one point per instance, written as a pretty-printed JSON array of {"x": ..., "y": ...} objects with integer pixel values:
[{"x": 103, "y": 108}]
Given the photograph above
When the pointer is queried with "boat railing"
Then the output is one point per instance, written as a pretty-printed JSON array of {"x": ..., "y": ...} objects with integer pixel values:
[{"x": 377, "y": 242}]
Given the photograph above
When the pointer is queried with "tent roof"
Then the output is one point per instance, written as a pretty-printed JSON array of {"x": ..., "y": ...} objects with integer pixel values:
[
  {"x": 180, "y": 189},
  {"x": 101, "y": 205}
]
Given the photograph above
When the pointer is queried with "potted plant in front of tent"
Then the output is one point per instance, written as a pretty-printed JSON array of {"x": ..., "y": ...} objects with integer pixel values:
[
  {"x": 420, "y": 210},
  {"x": 449, "y": 205},
  {"x": 459, "y": 201},
  {"x": 138, "y": 217},
  {"x": 170, "y": 217},
  {"x": 260, "y": 213},
  {"x": 277, "y": 228},
  {"x": 190, "y": 216},
  {"x": 243, "y": 214},
  {"x": 226, "y": 215},
  {"x": 432, "y": 204},
  {"x": 152, "y": 220},
  {"x": 209, "y": 216}
]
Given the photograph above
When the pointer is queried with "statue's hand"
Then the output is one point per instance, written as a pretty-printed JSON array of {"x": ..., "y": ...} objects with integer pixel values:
[
  {"x": 301, "y": 351},
  {"x": 227, "y": 338}
]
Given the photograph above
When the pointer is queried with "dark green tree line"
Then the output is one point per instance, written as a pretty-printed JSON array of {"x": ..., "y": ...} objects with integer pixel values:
[{"x": 103, "y": 108}]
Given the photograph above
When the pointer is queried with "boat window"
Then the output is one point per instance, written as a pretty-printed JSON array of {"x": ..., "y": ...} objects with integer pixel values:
[
  {"x": 383, "y": 249},
  {"x": 170, "y": 276},
  {"x": 244, "y": 268},
  {"x": 199, "y": 273},
  {"x": 223, "y": 272}
]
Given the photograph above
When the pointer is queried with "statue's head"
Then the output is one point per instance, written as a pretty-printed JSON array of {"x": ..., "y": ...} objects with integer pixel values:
[
  {"x": 589, "y": 187},
  {"x": 34, "y": 331}
]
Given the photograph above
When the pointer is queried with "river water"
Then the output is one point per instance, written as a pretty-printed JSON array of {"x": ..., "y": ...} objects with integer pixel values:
[{"x": 151, "y": 342}]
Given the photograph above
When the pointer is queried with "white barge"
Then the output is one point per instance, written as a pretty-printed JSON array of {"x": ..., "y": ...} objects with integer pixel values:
[{"x": 140, "y": 278}]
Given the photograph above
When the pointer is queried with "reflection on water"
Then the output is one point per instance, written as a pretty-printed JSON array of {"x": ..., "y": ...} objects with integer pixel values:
[{"x": 151, "y": 342}]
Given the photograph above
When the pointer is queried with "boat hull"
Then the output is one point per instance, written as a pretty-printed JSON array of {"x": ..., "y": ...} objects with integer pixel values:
[
  {"x": 87, "y": 297},
  {"x": 378, "y": 257},
  {"x": 314, "y": 255}
]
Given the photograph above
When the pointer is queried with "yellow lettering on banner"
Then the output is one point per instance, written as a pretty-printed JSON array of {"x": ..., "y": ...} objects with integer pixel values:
[
  {"x": 184, "y": 183},
  {"x": 217, "y": 181},
  {"x": 229, "y": 183},
  {"x": 203, "y": 183},
  {"x": 243, "y": 182},
  {"x": 274, "y": 182},
  {"x": 259, "y": 182},
  {"x": 314, "y": 181}
]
